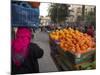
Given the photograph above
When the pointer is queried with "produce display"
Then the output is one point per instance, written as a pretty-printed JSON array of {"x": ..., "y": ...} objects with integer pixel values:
[{"x": 73, "y": 41}]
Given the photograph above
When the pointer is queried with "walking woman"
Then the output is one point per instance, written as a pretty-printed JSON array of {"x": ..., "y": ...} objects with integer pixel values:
[{"x": 25, "y": 54}]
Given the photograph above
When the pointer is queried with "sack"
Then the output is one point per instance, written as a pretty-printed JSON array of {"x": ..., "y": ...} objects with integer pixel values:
[{"x": 23, "y": 15}]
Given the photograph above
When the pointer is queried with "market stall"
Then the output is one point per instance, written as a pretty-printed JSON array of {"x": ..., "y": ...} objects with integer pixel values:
[{"x": 72, "y": 49}]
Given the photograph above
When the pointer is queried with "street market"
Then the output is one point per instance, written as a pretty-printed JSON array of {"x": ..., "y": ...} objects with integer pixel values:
[{"x": 65, "y": 37}]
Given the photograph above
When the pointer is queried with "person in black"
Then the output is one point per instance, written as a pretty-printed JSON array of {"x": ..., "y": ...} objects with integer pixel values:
[{"x": 30, "y": 65}]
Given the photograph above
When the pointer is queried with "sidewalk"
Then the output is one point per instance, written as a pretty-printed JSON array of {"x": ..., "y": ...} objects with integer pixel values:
[{"x": 46, "y": 63}]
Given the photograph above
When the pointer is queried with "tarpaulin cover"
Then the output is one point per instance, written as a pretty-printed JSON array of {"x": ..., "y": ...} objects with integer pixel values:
[{"x": 24, "y": 15}]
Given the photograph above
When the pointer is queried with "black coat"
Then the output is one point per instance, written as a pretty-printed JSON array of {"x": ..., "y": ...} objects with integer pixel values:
[{"x": 30, "y": 65}]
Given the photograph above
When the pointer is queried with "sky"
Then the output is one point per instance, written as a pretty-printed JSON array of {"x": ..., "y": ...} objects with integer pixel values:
[{"x": 44, "y": 9}]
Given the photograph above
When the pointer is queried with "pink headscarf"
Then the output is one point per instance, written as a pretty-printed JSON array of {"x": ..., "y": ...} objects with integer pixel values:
[{"x": 20, "y": 45}]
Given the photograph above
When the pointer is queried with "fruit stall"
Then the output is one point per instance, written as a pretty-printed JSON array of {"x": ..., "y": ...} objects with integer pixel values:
[{"x": 72, "y": 49}]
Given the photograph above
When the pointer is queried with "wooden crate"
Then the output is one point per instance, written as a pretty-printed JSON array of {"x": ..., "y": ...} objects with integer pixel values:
[
  {"x": 69, "y": 60},
  {"x": 60, "y": 63},
  {"x": 86, "y": 65},
  {"x": 74, "y": 59},
  {"x": 65, "y": 65}
]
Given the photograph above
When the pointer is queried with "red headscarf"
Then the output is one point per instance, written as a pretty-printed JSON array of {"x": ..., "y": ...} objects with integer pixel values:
[{"x": 20, "y": 45}]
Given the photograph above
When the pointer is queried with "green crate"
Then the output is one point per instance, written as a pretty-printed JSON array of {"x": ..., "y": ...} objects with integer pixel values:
[
  {"x": 89, "y": 66},
  {"x": 75, "y": 59}
]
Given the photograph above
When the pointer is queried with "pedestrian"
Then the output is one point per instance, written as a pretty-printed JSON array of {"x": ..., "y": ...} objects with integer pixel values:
[
  {"x": 33, "y": 29},
  {"x": 90, "y": 30},
  {"x": 24, "y": 54}
]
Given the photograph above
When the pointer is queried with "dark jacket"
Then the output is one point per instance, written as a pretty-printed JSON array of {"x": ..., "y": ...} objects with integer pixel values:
[{"x": 30, "y": 65}]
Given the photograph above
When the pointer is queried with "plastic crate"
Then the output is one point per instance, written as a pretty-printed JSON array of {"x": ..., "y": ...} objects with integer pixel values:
[{"x": 24, "y": 15}]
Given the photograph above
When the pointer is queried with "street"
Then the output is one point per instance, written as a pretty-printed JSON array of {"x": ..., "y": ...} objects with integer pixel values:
[{"x": 46, "y": 63}]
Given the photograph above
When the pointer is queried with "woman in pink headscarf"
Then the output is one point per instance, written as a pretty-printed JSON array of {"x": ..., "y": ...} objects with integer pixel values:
[{"x": 25, "y": 53}]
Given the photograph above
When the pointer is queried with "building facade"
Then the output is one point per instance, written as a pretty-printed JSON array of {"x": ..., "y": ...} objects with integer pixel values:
[
  {"x": 76, "y": 11},
  {"x": 45, "y": 21}
]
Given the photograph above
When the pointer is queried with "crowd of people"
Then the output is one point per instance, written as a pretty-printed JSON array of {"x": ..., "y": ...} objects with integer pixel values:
[{"x": 83, "y": 27}]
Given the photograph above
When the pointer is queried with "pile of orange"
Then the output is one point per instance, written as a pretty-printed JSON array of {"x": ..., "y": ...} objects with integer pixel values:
[{"x": 73, "y": 40}]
